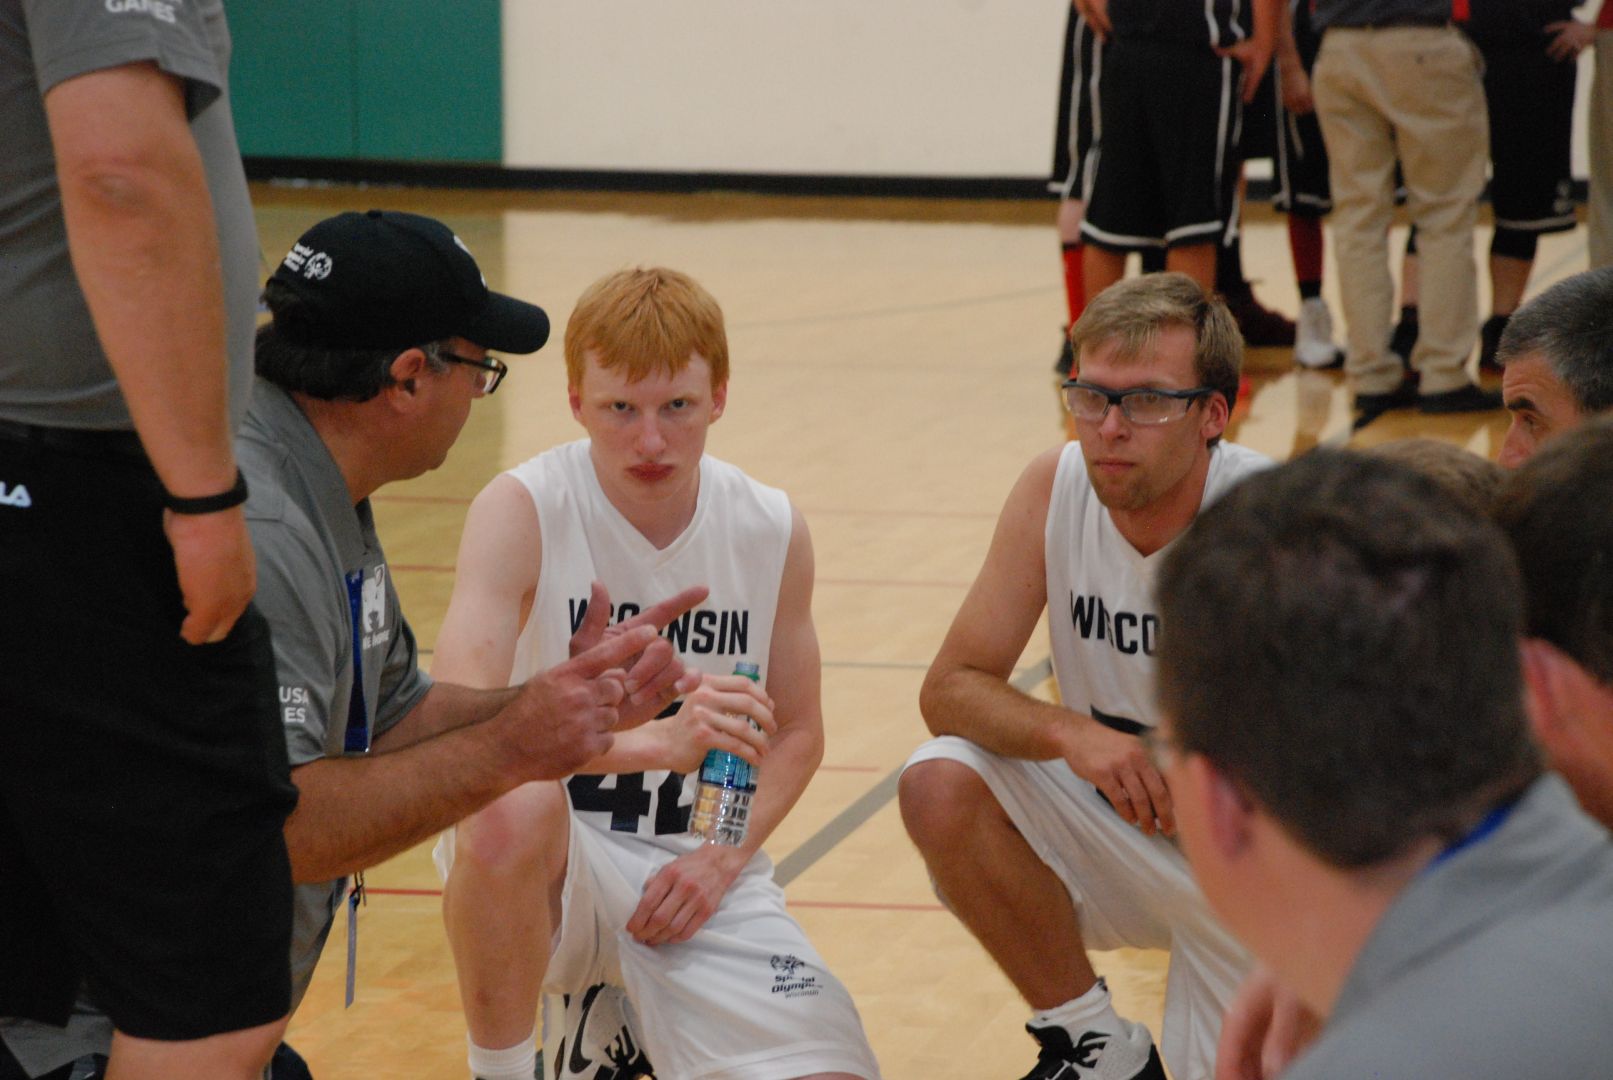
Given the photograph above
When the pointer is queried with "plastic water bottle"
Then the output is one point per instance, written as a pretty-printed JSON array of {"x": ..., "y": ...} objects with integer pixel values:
[{"x": 727, "y": 782}]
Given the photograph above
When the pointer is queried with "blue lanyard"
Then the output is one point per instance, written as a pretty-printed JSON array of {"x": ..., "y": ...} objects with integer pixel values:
[
  {"x": 357, "y": 737},
  {"x": 1487, "y": 825}
]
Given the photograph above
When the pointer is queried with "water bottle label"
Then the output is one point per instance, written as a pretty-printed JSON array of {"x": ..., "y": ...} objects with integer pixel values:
[{"x": 728, "y": 771}]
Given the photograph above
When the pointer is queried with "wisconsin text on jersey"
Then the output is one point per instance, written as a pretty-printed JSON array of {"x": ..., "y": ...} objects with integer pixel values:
[
  {"x": 722, "y": 633},
  {"x": 1125, "y": 631}
]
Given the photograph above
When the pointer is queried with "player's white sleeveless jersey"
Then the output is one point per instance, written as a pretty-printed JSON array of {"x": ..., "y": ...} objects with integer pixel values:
[
  {"x": 735, "y": 545},
  {"x": 1101, "y": 613}
]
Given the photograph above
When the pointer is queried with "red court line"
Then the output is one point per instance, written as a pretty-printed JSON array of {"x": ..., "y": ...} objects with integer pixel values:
[{"x": 833, "y": 905}]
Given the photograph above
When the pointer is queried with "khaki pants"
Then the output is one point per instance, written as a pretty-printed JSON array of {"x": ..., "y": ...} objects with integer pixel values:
[
  {"x": 1414, "y": 93},
  {"x": 1601, "y": 146}
]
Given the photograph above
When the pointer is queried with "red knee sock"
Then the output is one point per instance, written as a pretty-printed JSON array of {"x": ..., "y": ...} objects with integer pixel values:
[
  {"x": 1075, "y": 290},
  {"x": 1305, "y": 245}
]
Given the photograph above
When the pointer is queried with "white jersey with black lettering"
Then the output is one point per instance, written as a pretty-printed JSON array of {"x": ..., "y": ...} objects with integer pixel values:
[
  {"x": 735, "y": 545},
  {"x": 1101, "y": 613}
]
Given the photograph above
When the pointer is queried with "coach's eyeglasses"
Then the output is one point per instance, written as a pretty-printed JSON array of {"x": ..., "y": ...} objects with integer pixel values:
[
  {"x": 1140, "y": 404},
  {"x": 492, "y": 367}
]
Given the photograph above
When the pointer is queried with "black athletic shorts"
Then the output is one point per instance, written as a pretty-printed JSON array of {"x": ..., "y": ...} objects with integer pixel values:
[
  {"x": 1165, "y": 155},
  {"x": 143, "y": 781},
  {"x": 1299, "y": 165},
  {"x": 1078, "y": 98},
  {"x": 1531, "y": 102}
]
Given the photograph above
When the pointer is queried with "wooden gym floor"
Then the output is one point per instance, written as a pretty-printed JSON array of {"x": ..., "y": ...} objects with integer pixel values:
[{"x": 891, "y": 370}]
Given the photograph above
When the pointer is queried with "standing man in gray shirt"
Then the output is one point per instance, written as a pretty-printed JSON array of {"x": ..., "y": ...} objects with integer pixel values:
[
  {"x": 377, "y": 350},
  {"x": 143, "y": 783}
]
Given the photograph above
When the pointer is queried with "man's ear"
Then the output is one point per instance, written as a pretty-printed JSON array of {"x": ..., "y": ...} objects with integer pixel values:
[
  {"x": 407, "y": 368},
  {"x": 719, "y": 401},
  {"x": 574, "y": 394},
  {"x": 1228, "y": 811},
  {"x": 1557, "y": 690},
  {"x": 1217, "y": 410}
]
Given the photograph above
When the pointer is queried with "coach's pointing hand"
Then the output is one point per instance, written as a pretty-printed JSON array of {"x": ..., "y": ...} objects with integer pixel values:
[
  {"x": 654, "y": 678},
  {"x": 564, "y": 716}
]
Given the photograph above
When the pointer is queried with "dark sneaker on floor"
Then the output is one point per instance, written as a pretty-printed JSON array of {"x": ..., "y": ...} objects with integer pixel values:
[
  {"x": 1262, "y": 328},
  {"x": 599, "y": 1043},
  {"x": 1368, "y": 407},
  {"x": 1489, "y": 341},
  {"x": 1093, "y": 1056},
  {"x": 1463, "y": 399},
  {"x": 1066, "y": 360}
]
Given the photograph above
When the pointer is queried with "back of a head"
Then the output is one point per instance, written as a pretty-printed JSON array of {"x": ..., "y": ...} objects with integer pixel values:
[
  {"x": 1558, "y": 511},
  {"x": 1132, "y": 312},
  {"x": 1339, "y": 635},
  {"x": 1571, "y": 326},
  {"x": 647, "y": 319},
  {"x": 1474, "y": 481}
]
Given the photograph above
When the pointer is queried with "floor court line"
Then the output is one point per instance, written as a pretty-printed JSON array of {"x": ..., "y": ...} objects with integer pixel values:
[{"x": 870, "y": 803}]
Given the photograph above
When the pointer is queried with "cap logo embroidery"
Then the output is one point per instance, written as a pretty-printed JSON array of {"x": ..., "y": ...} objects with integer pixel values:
[
  {"x": 298, "y": 255},
  {"x": 319, "y": 267}
]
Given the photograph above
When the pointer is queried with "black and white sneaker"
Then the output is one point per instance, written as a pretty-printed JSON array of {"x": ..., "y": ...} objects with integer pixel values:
[
  {"x": 1095, "y": 1055},
  {"x": 599, "y": 1042}
]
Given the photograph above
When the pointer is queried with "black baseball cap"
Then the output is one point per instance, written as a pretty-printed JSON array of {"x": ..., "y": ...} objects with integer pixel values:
[{"x": 384, "y": 279}]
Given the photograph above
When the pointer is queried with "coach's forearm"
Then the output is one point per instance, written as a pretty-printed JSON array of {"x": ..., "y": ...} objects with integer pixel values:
[{"x": 354, "y": 812}]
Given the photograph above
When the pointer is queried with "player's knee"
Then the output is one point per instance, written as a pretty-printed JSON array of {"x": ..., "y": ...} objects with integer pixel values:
[
  {"x": 940, "y": 799},
  {"x": 522, "y": 834}
]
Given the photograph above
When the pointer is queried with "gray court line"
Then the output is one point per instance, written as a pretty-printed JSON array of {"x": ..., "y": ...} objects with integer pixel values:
[{"x": 870, "y": 803}]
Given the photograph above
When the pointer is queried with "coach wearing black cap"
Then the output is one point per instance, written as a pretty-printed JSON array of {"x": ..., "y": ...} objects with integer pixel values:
[{"x": 378, "y": 347}]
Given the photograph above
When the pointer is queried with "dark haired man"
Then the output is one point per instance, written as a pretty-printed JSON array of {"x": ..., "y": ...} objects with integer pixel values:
[
  {"x": 1356, "y": 787},
  {"x": 367, "y": 373},
  {"x": 1041, "y": 824},
  {"x": 1556, "y": 358}
]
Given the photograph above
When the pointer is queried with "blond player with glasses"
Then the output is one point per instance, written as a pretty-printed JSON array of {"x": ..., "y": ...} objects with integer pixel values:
[{"x": 1046, "y": 827}]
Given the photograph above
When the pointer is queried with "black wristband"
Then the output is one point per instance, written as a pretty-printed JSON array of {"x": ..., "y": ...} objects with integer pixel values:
[{"x": 209, "y": 504}]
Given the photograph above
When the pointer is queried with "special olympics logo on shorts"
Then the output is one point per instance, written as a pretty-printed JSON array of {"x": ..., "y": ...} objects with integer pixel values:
[{"x": 788, "y": 980}]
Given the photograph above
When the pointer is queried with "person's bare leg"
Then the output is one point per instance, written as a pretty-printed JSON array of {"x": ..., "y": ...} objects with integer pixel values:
[
  {"x": 1101, "y": 268},
  {"x": 994, "y": 883},
  {"x": 234, "y": 1055},
  {"x": 1508, "y": 279},
  {"x": 1197, "y": 261},
  {"x": 501, "y": 906}
]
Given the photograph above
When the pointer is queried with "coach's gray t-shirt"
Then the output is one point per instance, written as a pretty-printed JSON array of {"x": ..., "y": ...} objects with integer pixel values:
[
  {"x": 52, "y": 369},
  {"x": 346, "y": 658}
]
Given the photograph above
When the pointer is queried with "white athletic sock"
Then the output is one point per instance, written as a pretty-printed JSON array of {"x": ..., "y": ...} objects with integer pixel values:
[
  {"x": 1121, "y": 1046},
  {"x": 516, "y": 1062},
  {"x": 1092, "y": 1009}
]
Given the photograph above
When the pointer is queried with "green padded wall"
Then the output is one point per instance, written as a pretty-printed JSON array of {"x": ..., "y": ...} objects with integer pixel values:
[{"x": 400, "y": 80}]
